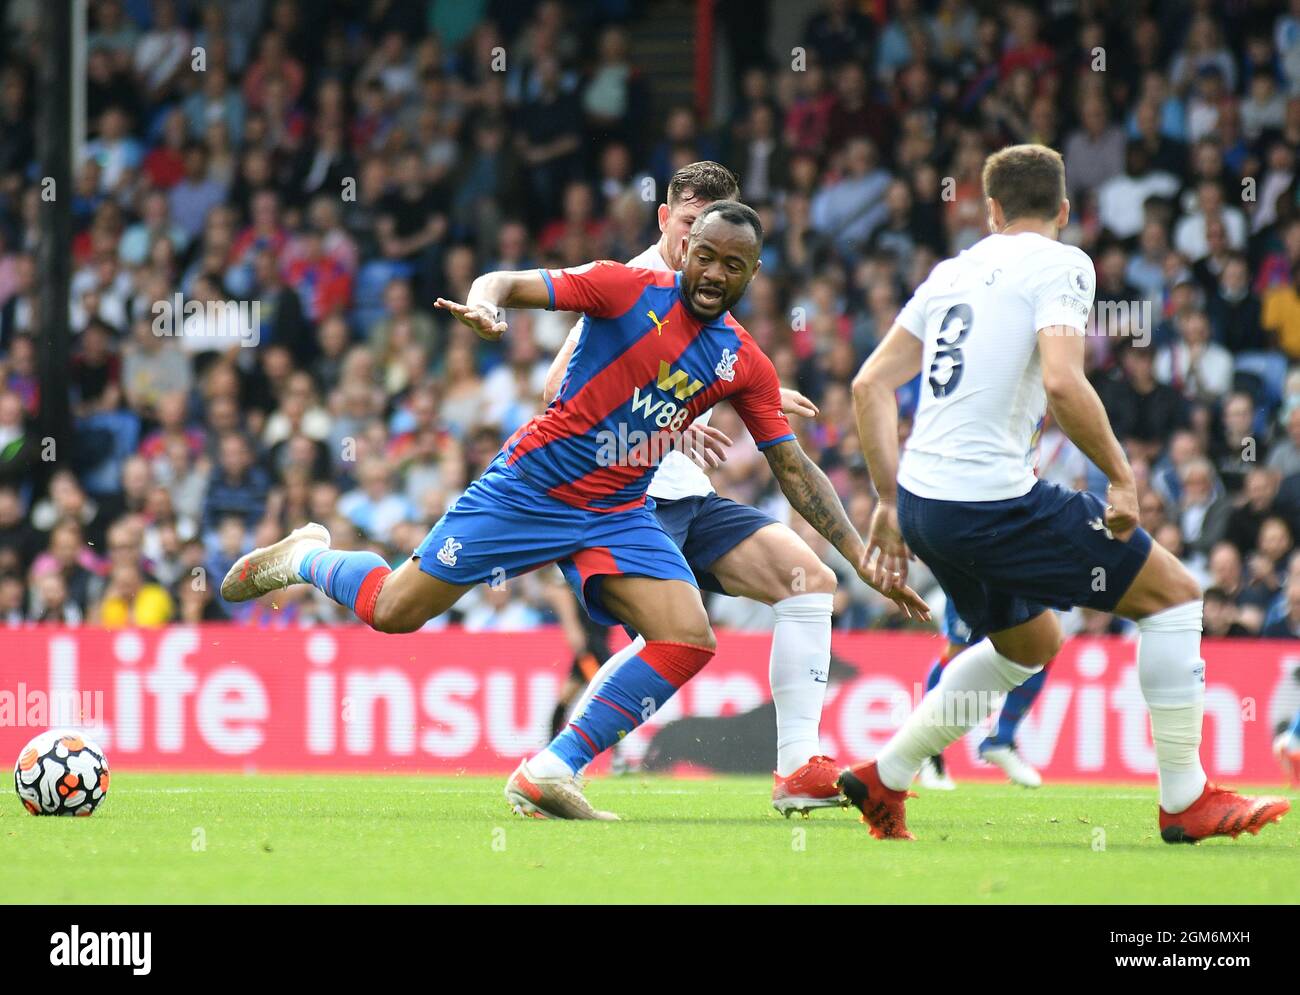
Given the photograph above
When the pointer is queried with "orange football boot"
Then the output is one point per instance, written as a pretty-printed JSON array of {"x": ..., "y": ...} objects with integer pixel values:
[
  {"x": 1221, "y": 812},
  {"x": 881, "y": 807},
  {"x": 811, "y": 786}
]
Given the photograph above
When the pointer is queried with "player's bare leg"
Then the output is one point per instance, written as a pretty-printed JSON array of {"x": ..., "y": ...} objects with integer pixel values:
[
  {"x": 776, "y": 567},
  {"x": 670, "y": 615},
  {"x": 660, "y": 610},
  {"x": 971, "y": 688},
  {"x": 1031, "y": 644},
  {"x": 771, "y": 565},
  {"x": 1165, "y": 600},
  {"x": 1163, "y": 582},
  {"x": 410, "y": 597}
]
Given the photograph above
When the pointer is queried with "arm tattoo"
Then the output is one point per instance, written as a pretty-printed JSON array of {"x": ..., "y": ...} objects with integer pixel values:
[{"x": 811, "y": 494}]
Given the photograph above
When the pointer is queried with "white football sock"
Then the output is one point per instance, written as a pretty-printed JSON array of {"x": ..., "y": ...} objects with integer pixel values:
[
  {"x": 798, "y": 671},
  {"x": 1172, "y": 675},
  {"x": 548, "y": 764},
  {"x": 299, "y": 553},
  {"x": 973, "y": 685}
]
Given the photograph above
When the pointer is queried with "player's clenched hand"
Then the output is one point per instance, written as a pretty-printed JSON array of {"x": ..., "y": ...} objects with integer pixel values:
[
  {"x": 794, "y": 403},
  {"x": 889, "y": 571},
  {"x": 1122, "y": 511},
  {"x": 706, "y": 445},
  {"x": 487, "y": 323}
]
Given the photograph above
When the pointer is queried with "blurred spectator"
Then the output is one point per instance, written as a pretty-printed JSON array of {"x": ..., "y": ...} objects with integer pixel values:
[
  {"x": 550, "y": 135},
  {"x": 1203, "y": 509},
  {"x": 1284, "y": 459},
  {"x": 17, "y": 537},
  {"x": 1234, "y": 448},
  {"x": 56, "y": 607},
  {"x": 12, "y": 595},
  {"x": 1199, "y": 369},
  {"x": 1095, "y": 151},
  {"x": 374, "y": 507},
  {"x": 237, "y": 487},
  {"x": 131, "y": 600},
  {"x": 1192, "y": 234},
  {"x": 840, "y": 34},
  {"x": 1143, "y": 411},
  {"x": 1222, "y": 617},
  {"x": 1266, "y": 565},
  {"x": 1287, "y": 624},
  {"x": 1259, "y": 503},
  {"x": 849, "y": 211},
  {"x": 1121, "y": 200},
  {"x": 494, "y": 611},
  {"x": 1234, "y": 310},
  {"x": 1247, "y": 602}
]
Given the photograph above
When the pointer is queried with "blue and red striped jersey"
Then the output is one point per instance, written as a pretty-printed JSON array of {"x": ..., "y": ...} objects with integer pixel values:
[{"x": 644, "y": 369}]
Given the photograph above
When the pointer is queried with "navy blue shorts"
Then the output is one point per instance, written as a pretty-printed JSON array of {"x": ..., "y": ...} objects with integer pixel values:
[
  {"x": 707, "y": 527},
  {"x": 1004, "y": 562}
]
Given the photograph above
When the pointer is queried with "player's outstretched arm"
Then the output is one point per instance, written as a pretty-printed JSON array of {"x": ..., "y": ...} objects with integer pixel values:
[
  {"x": 810, "y": 493},
  {"x": 896, "y": 361},
  {"x": 492, "y": 292},
  {"x": 1082, "y": 417}
]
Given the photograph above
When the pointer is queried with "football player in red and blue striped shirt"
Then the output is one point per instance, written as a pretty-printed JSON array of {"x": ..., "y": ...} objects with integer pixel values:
[{"x": 656, "y": 350}]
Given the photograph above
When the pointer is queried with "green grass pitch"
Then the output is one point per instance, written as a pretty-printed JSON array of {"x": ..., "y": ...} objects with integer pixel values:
[{"x": 241, "y": 839}]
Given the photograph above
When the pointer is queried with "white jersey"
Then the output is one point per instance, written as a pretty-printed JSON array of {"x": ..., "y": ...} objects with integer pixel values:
[
  {"x": 982, "y": 398},
  {"x": 677, "y": 476}
]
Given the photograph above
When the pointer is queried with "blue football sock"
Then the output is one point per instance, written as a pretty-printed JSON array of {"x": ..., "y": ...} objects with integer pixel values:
[
  {"x": 340, "y": 573},
  {"x": 1013, "y": 711},
  {"x": 1294, "y": 728},
  {"x": 933, "y": 675},
  {"x": 625, "y": 699}
]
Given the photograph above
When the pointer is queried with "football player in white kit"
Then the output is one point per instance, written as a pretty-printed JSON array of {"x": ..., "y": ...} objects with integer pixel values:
[
  {"x": 737, "y": 550},
  {"x": 997, "y": 335}
]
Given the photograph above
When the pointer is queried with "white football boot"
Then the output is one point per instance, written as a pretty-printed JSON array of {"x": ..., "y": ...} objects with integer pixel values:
[
  {"x": 1286, "y": 748},
  {"x": 270, "y": 568},
  {"x": 933, "y": 778},
  {"x": 1009, "y": 760},
  {"x": 550, "y": 797}
]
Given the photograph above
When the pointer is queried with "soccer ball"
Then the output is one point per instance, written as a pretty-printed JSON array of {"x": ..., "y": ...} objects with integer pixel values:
[{"x": 61, "y": 772}]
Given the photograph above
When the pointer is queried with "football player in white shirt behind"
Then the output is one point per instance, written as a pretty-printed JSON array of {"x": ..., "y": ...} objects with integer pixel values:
[
  {"x": 997, "y": 335},
  {"x": 734, "y": 549}
]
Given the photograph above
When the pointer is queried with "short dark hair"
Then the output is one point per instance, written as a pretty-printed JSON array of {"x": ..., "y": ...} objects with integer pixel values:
[
  {"x": 705, "y": 180},
  {"x": 733, "y": 212},
  {"x": 1217, "y": 594},
  {"x": 1027, "y": 180}
]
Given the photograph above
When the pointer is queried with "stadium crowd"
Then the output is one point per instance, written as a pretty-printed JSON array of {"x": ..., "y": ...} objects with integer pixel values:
[{"x": 342, "y": 164}]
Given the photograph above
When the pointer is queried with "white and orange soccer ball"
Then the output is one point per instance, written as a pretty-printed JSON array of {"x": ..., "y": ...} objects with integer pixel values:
[{"x": 61, "y": 772}]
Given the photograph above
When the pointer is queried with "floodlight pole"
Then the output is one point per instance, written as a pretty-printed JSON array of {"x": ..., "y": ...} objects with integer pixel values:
[{"x": 54, "y": 133}]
